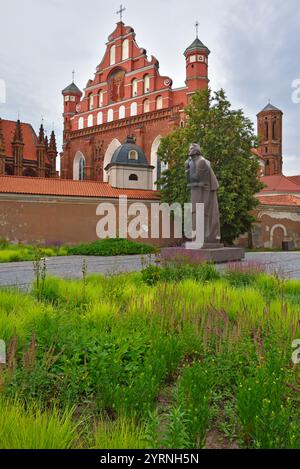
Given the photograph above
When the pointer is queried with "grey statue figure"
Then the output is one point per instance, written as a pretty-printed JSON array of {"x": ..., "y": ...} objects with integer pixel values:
[{"x": 204, "y": 185}]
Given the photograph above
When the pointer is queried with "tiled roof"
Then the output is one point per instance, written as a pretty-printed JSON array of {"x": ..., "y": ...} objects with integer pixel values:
[
  {"x": 287, "y": 200},
  {"x": 270, "y": 107},
  {"x": 279, "y": 183},
  {"x": 68, "y": 188},
  {"x": 295, "y": 179},
  {"x": 29, "y": 137}
]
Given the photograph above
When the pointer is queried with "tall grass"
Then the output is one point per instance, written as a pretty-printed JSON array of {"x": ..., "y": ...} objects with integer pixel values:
[
  {"x": 112, "y": 346},
  {"x": 31, "y": 428}
]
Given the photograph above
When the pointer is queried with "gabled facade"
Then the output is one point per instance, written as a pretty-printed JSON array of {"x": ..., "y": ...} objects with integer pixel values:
[
  {"x": 23, "y": 153},
  {"x": 127, "y": 96}
]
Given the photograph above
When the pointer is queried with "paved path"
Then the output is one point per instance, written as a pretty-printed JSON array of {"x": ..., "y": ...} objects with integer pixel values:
[{"x": 21, "y": 273}]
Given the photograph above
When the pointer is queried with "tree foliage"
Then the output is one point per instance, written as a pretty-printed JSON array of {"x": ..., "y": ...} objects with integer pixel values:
[{"x": 226, "y": 137}]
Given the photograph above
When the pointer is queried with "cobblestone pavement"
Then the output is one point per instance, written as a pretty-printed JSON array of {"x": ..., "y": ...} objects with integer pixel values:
[{"x": 20, "y": 274}]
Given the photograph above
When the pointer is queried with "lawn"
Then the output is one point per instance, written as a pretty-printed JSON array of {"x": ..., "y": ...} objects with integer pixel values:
[
  {"x": 107, "y": 247},
  {"x": 172, "y": 357}
]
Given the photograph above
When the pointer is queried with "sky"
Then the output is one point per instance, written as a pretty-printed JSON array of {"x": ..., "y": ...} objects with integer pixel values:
[{"x": 254, "y": 53}]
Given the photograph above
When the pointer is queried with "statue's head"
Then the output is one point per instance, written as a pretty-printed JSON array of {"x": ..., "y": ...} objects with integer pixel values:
[{"x": 194, "y": 149}]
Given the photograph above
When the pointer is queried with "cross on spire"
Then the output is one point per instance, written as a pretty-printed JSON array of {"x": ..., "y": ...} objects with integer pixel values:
[
  {"x": 73, "y": 76},
  {"x": 120, "y": 12},
  {"x": 197, "y": 28}
]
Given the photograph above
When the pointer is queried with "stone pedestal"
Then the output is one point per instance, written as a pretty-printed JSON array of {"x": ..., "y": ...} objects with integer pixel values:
[{"x": 217, "y": 255}]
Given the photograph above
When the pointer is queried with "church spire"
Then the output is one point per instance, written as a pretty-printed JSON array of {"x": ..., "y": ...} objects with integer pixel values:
[
  {"x": 18, "y": 137},
  {"x": 2, "y": 150},
  {"x": 41, "y": 138}
]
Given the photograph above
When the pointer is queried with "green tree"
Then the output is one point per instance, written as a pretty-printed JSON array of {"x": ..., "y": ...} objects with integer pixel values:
[{"x": 226, "y": 137}]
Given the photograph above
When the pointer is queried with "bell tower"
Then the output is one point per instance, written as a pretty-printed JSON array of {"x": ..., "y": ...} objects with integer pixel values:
[
  {"x": 196, "y": 65},
  {"x": 269, "y": 130},
  {"x": 72, "y": 96}
]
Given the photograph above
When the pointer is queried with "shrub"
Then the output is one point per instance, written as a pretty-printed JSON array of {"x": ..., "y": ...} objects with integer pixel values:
[
  {"x": 176, "y": 272},
  {"x": 110, "y": 247}
]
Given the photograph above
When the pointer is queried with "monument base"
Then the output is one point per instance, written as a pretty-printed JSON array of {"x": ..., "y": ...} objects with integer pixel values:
[{"x": 217, "y": 255}]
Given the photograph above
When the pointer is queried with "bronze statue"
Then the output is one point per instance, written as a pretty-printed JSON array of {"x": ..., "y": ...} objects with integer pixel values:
[{"x": 204, "y": 185}]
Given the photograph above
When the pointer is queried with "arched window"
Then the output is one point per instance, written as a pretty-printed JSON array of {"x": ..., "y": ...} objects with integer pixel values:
[
  {"x": 133, "y": 109},
  {"x": 79, "y": 167},
  {"x": 146, "y": 83},
  {"x": 274, "y": 130},
  {"x": 133, "y": 177},
  {"x": 266, "y": 130},
  {"x": 146, "y": 105},
  {"x": 112, "y": 55},
  {"x": 80, "y": 123},
  {"x": 125, "y": 49},
  {"x": 100, "y": 98},
  {"x": 90, "y": 120},
  {"x": 133, "y": 155},
  {"x": 159, "y": 102},
  {"x": 122, "y": 112},
  {"x": 91, "y": 102},
  {"x": 100, "y": 118},
  {"x": 110, "y": 115},
  {"x": 134, "y": 87}
]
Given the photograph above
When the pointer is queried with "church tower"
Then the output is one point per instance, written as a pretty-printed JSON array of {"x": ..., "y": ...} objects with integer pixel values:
[
  {"x": 41, "y": 149},
  {"x": 196, "y": 66},
  {"x": 18, "y": 148},
  {"x": 72, "y": 96},
  {"x": 269, "y": 130},
  {"x": 2, "y": 150}
]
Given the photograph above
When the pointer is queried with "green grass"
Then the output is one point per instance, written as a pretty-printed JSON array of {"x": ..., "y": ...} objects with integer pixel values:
[
  {"x": 107, "y": 247},
  {"x": 151, "y": 364}
]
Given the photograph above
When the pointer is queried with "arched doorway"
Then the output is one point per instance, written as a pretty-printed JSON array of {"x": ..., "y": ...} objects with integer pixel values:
[
  {"x": 79, "y": 165},
  {"x": 277, "y": 235},
  {"x": 112, "y": 147}
]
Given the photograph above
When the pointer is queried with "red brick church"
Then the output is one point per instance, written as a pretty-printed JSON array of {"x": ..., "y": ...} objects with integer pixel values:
[{"x": 127, "y": 96}]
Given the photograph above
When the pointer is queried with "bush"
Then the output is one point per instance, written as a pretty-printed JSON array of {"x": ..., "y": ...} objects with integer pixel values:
[
  {"x": 110, "y": 247},
  {"x": 176, "y": 272}
]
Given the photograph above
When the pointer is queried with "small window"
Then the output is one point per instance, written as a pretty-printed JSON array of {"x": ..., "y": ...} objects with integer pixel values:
[
  {"x": 122, "y": 112},
  {"x": 67, "y": 98},
  {"x": 134, "y": 88},
  {"x": 146, "y": 105},
  {"x": 146, "y": 83},
  {"x": 100, "y": 118},
  {"x": 133, "y": 155},
  {"x": 101, "y": 96},
  {"x": 112, "y": 55},
  {"x": 72, "y": 98},
  {"x": 159, "y": 102},
  {"x": 125, "y": 49},
  {"x": 133, "y": 109},
  {"x": 91, "y": 102},
  {"x": 200, "y": 58},
  {"x": 193, "y": 58},
  {"x": 80, "y": 123},
  {"x": 133, "y": 177},
  {"x": 110, "y": 115},
  {"x": 90, "y": 120}
]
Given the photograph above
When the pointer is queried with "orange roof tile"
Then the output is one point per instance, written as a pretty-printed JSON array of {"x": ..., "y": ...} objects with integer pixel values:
[
  {"x": 68, "y": 188},
  {"x": 29, "y": 137},
  {"x": 295, "y": 179},
  {"x": 287, "y": 200},
  {"x": 279, "y": 183}
]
